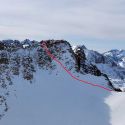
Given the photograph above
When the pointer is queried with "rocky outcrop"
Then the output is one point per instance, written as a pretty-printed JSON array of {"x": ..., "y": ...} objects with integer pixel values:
[{"x": 110, "y": 63}]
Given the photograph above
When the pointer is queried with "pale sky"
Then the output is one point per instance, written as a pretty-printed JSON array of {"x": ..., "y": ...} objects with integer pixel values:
[{"x": 99, "y": 24}]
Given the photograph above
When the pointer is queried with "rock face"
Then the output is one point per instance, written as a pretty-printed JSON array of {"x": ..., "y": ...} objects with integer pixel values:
[
  {"x": 110, "y": 63},
  {"x": 86, "y": 66}
]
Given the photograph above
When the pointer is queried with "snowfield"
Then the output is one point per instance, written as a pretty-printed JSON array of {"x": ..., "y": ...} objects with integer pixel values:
[
  {"x": 36, "y": 90},
  {"x": 57, "y": 99}
]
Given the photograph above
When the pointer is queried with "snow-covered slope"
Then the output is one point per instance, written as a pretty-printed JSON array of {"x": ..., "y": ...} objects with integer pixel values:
[
  {"x": 34, "y": 89},
  {"x": 32, "y": 81},
  {"x": 110, "y": 63},
  {"x": 56, "y": 99}
]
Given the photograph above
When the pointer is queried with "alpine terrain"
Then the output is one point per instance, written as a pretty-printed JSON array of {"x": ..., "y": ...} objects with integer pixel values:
[{"x": 36, "y": 90}]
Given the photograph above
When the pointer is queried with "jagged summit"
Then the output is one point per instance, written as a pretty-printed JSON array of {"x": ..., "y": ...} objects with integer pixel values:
[{"x": 80, "y": 47}]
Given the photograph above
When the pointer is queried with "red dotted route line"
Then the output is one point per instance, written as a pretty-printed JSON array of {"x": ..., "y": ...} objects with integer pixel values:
[{"x": 74, "y": 77}]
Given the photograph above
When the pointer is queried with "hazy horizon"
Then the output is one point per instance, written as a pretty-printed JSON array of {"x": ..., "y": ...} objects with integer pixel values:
[{"x": 100, "y": 25}]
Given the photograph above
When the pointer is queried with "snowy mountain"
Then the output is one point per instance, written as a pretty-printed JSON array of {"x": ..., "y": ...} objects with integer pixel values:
[
  {"x": 110, "y": 63},
  {"x": 34, "y": 89},
  {"x": 118, "y": 56}
]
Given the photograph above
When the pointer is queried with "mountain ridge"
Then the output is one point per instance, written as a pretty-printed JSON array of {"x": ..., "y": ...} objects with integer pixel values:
[{"x": 23, "y": 59}]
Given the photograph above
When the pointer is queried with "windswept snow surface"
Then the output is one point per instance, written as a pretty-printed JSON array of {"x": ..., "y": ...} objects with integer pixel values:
[{"x": 57, "y": 100}]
